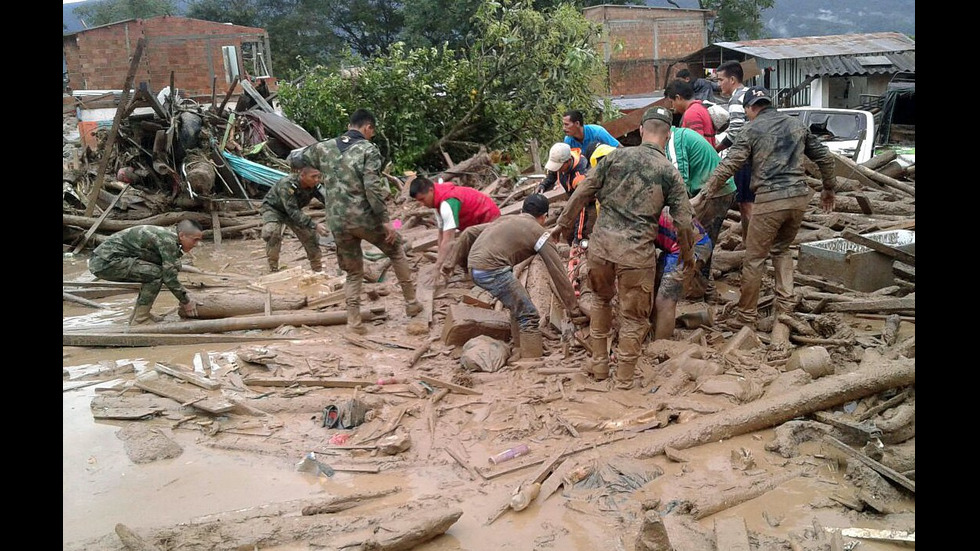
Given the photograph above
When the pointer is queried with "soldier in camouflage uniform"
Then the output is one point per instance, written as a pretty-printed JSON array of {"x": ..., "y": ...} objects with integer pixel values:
[
  {"x": 149, "y": 255},
  {"x": 283, "y": 206},
  {"x": 774, "y": 144},
  {"x": 632, "y": 184},
  {"x": 355, "y": 197}
]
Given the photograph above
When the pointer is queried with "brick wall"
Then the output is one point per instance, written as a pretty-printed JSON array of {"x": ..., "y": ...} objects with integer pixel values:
[
  {"x": 640, "y": 44},
  {"x": 99, "y": 59}
]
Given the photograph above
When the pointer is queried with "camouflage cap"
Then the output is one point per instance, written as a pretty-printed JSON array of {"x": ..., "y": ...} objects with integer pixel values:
[{"x": 658, "y": 113}]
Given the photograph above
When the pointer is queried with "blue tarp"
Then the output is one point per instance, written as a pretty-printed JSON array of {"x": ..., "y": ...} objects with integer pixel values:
[{"x": 252, "y": 171}]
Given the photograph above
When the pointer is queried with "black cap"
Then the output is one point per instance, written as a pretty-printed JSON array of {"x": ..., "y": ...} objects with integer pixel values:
[
  {"x": 535, "y": 205},
  {"x": 658, "y": 113},
  {"x": 754, "y": 94}
]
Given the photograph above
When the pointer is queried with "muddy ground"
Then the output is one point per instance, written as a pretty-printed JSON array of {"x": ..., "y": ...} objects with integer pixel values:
[{"x": 178, "y": 477}]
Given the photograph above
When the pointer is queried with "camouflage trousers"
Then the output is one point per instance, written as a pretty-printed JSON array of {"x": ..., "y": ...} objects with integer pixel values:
[
  {"x": 769, "y": 234},
  {"x": 272, "y": 235},
  {"x": 131, "y": 270},
  {"x": 350, "y": 258},
  {"x": 634, "y": 287}
]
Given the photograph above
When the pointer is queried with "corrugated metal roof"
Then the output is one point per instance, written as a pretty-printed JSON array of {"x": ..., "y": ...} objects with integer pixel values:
[
  {"x": 835, "y": 65},
  {"x": 820, "y": 46}
]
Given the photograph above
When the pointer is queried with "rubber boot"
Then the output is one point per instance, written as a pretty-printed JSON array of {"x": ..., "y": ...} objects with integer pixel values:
[
  {"x": 413, "y": 308},
  {"x": 354, "y": 324},
  {"x": 316, "y": 266},
  {"x": 532, "y": 345},
  {"x": 515, "y": 340},
  {"x": 273, "y": 266},
  {"x": 624, "y": 374},
  {"x": 598, "y": 365},
  {"x": 141, "y": 314}
]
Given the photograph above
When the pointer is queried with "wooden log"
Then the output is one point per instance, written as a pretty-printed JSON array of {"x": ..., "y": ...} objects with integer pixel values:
[
  {"x": 803, "y": 339},
  {"x": 164, "y": 219},
  {"x": 850, "y": 204},
  {"x": 405, "y": 534},
  {"x": 876, "y": 177},
  {"x": 246, "y": 323},
  {"x": 114, "y": 129},
  {"x": 884, "y": 305},
  {"x": 893, "y": 169},
  {"x": 323, "y": 383},
  {"x": 897, "y": 254},
  {"x": 226, "y": 303},
  {"x": 880, "y": 160},
  {"x": 824, "y": 393},
  {"x": 343, "y": 503},
  {"x": 716, "y": 502},
  {"x": 79, "y": 300},
  {"x": 135, "y": 340}
]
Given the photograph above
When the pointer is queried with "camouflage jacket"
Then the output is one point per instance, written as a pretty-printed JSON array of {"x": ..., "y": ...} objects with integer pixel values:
[
  {"x": 776, "y": 143},
  {"x": 354, "y": 191},
  {"x": 153, "y": 244},
  {"x": 284, "y": 202},
  {"x": 632, "y": 184}
]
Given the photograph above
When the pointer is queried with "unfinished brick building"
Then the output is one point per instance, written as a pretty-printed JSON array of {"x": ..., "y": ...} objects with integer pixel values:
[
  {"x": 641, "y": 44},
  {"x": 201, "y": 54}
]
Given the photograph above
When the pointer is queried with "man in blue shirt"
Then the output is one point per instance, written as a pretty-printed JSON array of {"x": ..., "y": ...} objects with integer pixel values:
[{"x": 580, "y": 135}]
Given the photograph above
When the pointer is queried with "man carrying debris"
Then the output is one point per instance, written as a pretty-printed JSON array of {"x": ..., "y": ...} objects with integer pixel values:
[
  {"x": 283, "y": 207},
  {"x": 774, "y": 143},
  {"x": 490, "y": 252},
  {"x": 457, "y": 208},
  {"x": 149, "y": 255},
  {"x": 355, "y": 194},
  {"x": 633, "y": 184}
]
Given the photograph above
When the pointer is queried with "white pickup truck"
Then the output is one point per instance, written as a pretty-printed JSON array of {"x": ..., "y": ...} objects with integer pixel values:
[{"x": 842, "y": 130}]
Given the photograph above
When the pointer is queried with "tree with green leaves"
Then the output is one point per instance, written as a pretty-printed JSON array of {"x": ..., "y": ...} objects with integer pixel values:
[
  {"x": 734, "y": 19},
  {"x": 112, "y": 11},
  {"x": 523, "y": 70}
]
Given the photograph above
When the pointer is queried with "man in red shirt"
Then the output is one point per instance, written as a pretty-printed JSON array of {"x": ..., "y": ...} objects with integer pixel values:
[
  {"x": 694, "y": 114},
  {"x": 457, "y": 208}
]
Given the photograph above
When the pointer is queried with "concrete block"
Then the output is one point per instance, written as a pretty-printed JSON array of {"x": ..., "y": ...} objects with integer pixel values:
[{"x": 855, "y": 266}]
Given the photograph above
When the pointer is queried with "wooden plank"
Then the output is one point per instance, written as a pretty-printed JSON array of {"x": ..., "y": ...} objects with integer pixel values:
[
  {"x": 190, "y": 377},
  {"x": 153, "y": 383},
  {"x": 864, "y": 204},
  {"x": 450, "y": 386},
  {"x": 79, "y": 300},
  {"x": 897, "y": 254},
  {"x": 326, "y": 383},
  {"x": 127, "y": 340},
  {"x": 215, "y": 226},
  {"x": 887, "y": 305},
  {"x": 887, "y": 472},
  {"x": 731, "y": 535},
  {"x": 114, "y": 130}
]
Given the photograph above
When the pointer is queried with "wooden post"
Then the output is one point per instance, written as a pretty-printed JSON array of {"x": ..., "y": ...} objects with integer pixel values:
[
  {"x": 111, "y": 140},
  {"x": 95, "y": 226}
]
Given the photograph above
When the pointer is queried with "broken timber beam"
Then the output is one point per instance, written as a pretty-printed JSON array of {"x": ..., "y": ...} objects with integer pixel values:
[
  {"x": 886, "y": 305},
  {"x": 134, "y": 340},
  {"x": 822, "y": 394},
  {"x": 897, "y": 254},
  {"x": 887, "y": 472},
  {"x": 252, "y": 322},
  {"x": 111, "y": 139}
]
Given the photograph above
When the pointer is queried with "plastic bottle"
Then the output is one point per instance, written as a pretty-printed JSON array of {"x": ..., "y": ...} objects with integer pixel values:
[{"x": 507, "y": 455}]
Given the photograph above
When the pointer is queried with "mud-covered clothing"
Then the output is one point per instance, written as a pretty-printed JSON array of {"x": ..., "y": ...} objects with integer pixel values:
[
  {"x": 355, "y": 193},
  {"x": 285, "y": 200},
  {"x": 736, "y": 116},
  {"x": 633, "y": 184},
  {"x": 146, "y": 254},
  {"x": 671, "y": 279},
  {"x": 776, "y": 143},
  {"x": 471, "y": 207},
  {"x": 569, "y": 180},
  {"x": 696, "y": 118},
  {"x": 704, "y": 88},
  {"x": 354, "y": 190},
  {"x": 508, "y": 241},
  {"x": 770, "y": 234},
  {"x": 592, "y": 133}
]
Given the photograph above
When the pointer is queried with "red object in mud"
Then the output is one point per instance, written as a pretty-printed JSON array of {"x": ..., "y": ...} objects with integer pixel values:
[{"x": 339, "y": 439}]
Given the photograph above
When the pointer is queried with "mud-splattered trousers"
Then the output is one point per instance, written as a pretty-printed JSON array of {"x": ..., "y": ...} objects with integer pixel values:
[
  {"x": 634, "y": 287},
  {"x": 272, "y": 235},
  {"x": 769, "y": 233},
  {"x": 350, "y": 258},
  {"x": 502, "y": 284}
]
